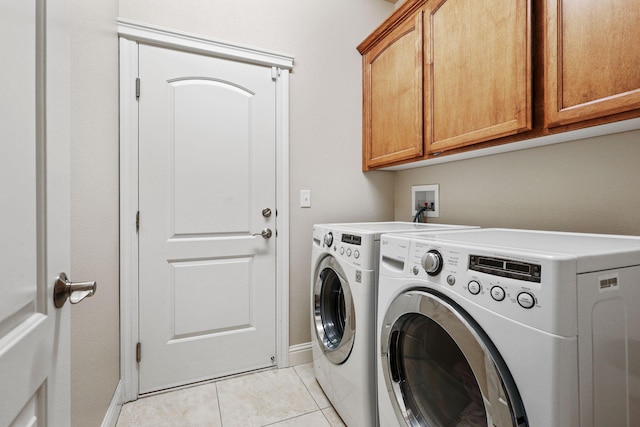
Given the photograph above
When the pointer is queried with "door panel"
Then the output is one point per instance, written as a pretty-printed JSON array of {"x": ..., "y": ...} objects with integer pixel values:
[
  {"x": 197, "y": 287},
  {"x": 34, "y": 219},
  {"x": 207, "y": 112},
  {"x": 206, "y": 171}
]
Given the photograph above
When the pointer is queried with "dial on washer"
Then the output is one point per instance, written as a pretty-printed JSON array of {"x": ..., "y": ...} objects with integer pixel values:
[
  {"x": 328, "y": 239},
  {"x": 432, "y": 262}
]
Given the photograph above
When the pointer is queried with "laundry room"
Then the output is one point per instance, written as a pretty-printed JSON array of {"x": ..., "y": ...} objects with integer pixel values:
[{"x": 585, "y": 182}]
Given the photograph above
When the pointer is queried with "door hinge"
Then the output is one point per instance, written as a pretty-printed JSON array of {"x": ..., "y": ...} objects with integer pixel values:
[
  {"x": 138, "y": 353},
  {"x": 137, "y": 87},
  {"x": 275, "y": 73},
  {"x": 138, "y": 221}
]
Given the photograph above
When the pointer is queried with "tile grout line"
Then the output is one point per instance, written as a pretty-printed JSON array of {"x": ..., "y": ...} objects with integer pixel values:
[
  {"x": 314, "y": 399},
  {"x": 306, "y": 388},
  {"x": 294, "y": 417},
  {"x": 218, "y": 403}
]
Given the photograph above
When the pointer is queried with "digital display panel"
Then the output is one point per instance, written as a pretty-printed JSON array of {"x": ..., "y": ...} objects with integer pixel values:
[
  {"x": 491, "y": 262},
  {"x": 506, "y": 268},
  {"x": 352, "y": 239},
  {"x": 523, "y": 268}
]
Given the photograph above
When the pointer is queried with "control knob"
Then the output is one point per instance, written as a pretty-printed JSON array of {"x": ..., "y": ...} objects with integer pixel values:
[
  {"x": 432, "y": 262},
  {"x": 328, "y": 239}
]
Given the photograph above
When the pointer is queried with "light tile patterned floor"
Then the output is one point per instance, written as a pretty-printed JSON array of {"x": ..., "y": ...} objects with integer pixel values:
[{"x": 277, "y": 398}]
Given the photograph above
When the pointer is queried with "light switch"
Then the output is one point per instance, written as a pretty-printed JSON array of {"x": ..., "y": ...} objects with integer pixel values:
[{"x": 305, "y": 198}]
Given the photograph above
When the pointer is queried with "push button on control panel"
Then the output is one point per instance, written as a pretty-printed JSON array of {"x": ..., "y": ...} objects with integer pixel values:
[
  {"x": 497, "y": 293},
  {"x": 451, "y": 280},
  {"x": 526, "y": 300},
  {"x": 356, "y": 254},
  {"x": 474, "y": 287}
]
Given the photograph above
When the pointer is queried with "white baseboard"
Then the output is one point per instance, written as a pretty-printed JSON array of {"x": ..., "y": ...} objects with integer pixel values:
[
  {"x": 113, "y": 412},
  {"x": 300, "y": 354}
]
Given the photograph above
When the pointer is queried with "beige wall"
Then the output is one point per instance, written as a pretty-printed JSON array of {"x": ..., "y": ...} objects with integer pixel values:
[
  {"x": 325, "y": 102},
  {"x": 586, "y": 186},
  {"x": 95, "y": 345}
]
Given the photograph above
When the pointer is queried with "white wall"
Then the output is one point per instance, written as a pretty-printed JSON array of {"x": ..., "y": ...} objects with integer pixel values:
[
  {"x": 95, "y": 338},
  {"x": 325, "y": 119},
  {"x": 589, "y": 185}
]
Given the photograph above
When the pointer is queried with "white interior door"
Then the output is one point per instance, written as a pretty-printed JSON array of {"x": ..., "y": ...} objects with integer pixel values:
[
  {"x": 207, "y": 303},
  {"x": 34, "y": 213}
]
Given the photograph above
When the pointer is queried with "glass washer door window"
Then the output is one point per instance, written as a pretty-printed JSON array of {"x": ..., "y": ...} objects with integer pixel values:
[
  {"x": 442, "y": 369},
  {"x": 334, "y": 312}
]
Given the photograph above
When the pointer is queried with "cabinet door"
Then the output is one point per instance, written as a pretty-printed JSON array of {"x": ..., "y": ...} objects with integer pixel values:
[
  {"x": 478, "y": 71},
  {"x": 593, "y": 59},
  {"x": 392, "y": 96}
]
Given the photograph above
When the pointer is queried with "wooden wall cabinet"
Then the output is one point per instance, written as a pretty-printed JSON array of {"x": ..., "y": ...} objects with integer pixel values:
[
  {"x": 592, "y": 59},
  {"x": 444, "y": 74},
  {"x": 448, "y": 76},
  {"x": 392, "y": 91},
  {"x": 478, "y": 71}
]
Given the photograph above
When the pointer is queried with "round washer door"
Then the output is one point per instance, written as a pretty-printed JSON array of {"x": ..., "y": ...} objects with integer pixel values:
[
  {"x": 441, "y": 369},
  {"x": 334, "y": 313}
]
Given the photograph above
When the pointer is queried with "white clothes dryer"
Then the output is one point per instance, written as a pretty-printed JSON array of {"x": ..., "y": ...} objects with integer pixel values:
[
  {"x": 343, "y": 289},
  {"x": 509, "y": 328}
]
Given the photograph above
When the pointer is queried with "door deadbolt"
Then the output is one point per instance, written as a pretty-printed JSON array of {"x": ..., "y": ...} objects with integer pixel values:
[
  {"x": 65, "y": 289},
  {"x": 266, "y": 212}
]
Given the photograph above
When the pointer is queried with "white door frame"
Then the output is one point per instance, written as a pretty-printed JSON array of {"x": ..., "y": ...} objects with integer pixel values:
[{"x": 131, "y": 34}]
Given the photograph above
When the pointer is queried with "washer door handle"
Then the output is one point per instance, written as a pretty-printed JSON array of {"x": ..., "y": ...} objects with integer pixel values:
[{"x": 394, "y": 368}]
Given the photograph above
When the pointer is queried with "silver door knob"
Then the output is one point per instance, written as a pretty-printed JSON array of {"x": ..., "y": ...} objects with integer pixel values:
[
  {"x": 266, "y": 233},
  {"x": 65, "y": 289}
]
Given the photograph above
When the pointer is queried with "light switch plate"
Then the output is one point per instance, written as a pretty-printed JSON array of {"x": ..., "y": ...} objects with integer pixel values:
[{"x": 305, "y": 198}]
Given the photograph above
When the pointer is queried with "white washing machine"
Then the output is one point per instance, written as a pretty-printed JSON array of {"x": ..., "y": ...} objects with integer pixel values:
[
  {"x": 509, "y": 328},
  {"x": 343, "y": 288}
]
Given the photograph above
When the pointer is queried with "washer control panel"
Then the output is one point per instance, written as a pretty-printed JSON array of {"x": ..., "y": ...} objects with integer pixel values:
[
  {"x": 492, "y": 282},
  {"x": 356, "y": 249},
  {"x": 510, "y": 286}
]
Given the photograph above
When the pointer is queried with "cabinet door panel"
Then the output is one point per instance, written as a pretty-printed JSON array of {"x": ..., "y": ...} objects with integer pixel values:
[
  {"x": 594, "y": 59},
  {"x": 393, "y": 96},
  {"x": 478, "y": 71}
]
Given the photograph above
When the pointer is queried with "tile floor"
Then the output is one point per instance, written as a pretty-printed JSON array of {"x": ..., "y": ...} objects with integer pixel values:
[{"x": 275, "y": 398}]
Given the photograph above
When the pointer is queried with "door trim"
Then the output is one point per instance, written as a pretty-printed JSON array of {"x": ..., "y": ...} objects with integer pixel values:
[{"x": 131, "y": 35}]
